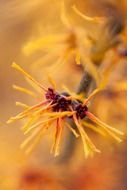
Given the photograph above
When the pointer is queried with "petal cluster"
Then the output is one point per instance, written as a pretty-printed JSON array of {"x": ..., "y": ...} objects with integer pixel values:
[{"x": 57, "y": 108}]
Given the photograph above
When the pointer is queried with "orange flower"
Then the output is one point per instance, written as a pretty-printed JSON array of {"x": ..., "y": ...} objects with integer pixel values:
[
  {"x": 42, "y": 115},
  {"x": 71, "y": 46},
  {"x": 99, "y": 126},
  {"x": 57, "y": 107}
]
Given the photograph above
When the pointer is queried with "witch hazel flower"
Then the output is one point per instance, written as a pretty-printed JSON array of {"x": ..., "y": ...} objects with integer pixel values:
[
  {"x": 54, "y": 109},
  {"x": 57, "y": 108},
  {"x": 74, "y": 44}
]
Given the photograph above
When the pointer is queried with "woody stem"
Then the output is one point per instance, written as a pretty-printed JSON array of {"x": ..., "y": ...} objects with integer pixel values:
[{"x": 85, "y": 84}]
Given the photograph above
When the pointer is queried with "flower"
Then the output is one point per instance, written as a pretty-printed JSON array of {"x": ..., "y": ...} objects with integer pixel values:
[
  {"x": 99, "y": 126},
  {"x": 71, "y": 46},
  {"x": 58, "y": 107},
  {"x": 35, "y": 178},
  {"x": 42, "y": 115}
]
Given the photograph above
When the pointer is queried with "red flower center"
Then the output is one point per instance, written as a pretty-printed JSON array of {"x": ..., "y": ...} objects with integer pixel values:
[
  {"x": 80, "y": 110},
  {"x": 59, "y": 99}
]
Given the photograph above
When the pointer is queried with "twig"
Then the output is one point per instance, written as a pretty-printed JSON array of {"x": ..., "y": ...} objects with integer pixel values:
[{"x": 84, "y": 86}]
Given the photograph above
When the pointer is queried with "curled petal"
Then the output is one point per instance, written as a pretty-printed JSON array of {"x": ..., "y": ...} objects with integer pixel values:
[
  {"x": 64, "y": 16},
  {"x": 91, "y": 19}
]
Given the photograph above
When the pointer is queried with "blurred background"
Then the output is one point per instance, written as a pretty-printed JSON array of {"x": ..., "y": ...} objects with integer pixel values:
[{"x": 25, "y": 26}]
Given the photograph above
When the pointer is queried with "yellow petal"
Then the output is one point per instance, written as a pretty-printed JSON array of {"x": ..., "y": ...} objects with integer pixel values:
[
  {"x": 43, "y": 42},
  {"x": 30, "y": 138},
  {"x": 22, "y": 105},
  {"x": 110, "y": 130},
  {"x": 21, "y": 89},
  {"x": 29, "y": 123},
  {"x": 17, "y": 67},
  {"x": 58, "y": 136},
  {"x": 72, "y": 130},
  {"x": 91, "y": 96},
  {"x": 94, "y": 128},
  {"x": 89, "y": 147},
  {"x": 64, "y": 15}
]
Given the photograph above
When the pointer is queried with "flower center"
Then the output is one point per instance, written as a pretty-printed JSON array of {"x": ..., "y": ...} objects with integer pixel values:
[
  {"x": 80, "y": 110},
  {"x": 59, "y": 99},
  {"x": 51, "y": 95}
]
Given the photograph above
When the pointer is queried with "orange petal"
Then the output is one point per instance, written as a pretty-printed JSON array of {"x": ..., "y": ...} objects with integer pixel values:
[{"x": 58, "y": 135}]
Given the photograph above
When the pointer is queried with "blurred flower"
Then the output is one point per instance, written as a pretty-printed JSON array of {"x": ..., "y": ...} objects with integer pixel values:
[
  {"x": 37, "y": 179},
  {"x": 72, "y": 45}
]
